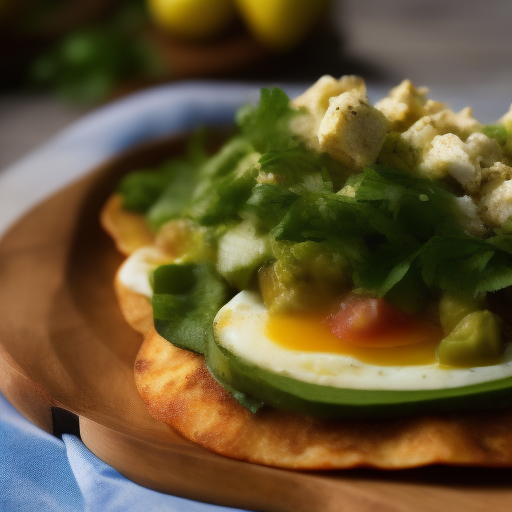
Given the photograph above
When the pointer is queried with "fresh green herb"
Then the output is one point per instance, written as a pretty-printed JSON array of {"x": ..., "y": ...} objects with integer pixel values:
[
  {"x": 225, "y": 195},
  {"x": 140, "y": 189},
  {"x": 175, "y": 196},
  {"x": 186, "y": 299},
  {"x": 164, "y": 193},
  {"x": 86, "y": 65},
  {"x": 266, "y": 126},
  {"x": 464, "y": 264},
  {"x": 293, "y": 164},
  {"x": 420, "y": 205},
  {"x": 268, "y": 204},
  {"x": 387, "y": 232}
]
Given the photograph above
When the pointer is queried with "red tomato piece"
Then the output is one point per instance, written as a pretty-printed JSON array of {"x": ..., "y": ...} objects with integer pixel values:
[{"x": 371, "y": 322}]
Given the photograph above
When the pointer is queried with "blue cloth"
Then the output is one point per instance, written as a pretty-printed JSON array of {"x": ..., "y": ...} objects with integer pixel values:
[{"x": 40, "y": 473}]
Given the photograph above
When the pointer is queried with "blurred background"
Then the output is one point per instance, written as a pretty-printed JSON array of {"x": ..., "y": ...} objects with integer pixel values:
[{"x": 61, "y": 58}]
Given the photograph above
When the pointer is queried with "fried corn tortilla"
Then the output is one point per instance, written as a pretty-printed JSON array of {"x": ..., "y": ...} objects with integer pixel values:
[{"x": 178, "y": 390}]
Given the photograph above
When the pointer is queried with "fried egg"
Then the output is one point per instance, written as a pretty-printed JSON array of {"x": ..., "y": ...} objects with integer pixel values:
[{"x": 302, "y": 348}]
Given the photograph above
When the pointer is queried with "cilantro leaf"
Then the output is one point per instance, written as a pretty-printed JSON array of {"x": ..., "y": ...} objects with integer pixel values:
[
  {"x": 389, "y": 233},
  {"x": 175, "y": 195},
  {"x": 186, "y": 299},
  {"x": 467, "y": 265},
  {"x": 266, "y": 126},
  {"x": 268, "y": 204},
  {"x": 420, "y": 205},
  {"x": 140, "y": 189}
]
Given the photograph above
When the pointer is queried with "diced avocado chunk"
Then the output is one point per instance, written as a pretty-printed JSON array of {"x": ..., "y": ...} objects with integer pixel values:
[
  {"x": 305, "y": 276},
  {"x": 453, "y": 308},
  {"x": 475, "y": 341},
  {"x": 240, "y": 252}
]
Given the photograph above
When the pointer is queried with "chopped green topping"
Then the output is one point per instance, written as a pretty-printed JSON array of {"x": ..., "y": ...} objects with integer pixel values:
[
  {"x": 266, "y": 126},
  {"x": 453, "y": 308},
  {"x": 475, "y": 341},
  {"x": 289, "y": 219}
]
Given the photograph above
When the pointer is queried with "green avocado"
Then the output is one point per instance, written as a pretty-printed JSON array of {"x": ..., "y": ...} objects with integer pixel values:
[
  {"x": 453, "y": 308},
  {"x": 304, "y": 276},
  {"x": 475, "y": 341},
  {"x": 293, "y": 395}
]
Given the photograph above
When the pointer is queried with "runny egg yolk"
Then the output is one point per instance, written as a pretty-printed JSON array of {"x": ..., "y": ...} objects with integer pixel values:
[{"x": 373, "y": 340}]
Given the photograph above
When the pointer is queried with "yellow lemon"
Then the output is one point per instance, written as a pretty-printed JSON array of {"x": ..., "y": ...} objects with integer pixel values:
[
  {"x": 192, "y": 19},
  {"x": 280, "y": 24}
]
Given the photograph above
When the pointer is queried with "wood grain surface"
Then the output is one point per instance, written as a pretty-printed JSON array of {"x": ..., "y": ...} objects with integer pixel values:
[{"x": 64, "y": 343}]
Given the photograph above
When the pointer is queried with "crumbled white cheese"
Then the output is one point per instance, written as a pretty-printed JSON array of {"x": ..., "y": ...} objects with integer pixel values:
[
  {"x": 496, "y": 204},
  {"x": 448, "y": 155},
  {"x": 316, "y": 101},
  {"x": 352, "y": 130},
  {"x": 421, "y": 133},
  {"x": 470, "y": 220},
  {"x": 494, "y": 175},
  {"x": 483, "y": 149},
  {"x": 316, "y": 98},
  {"x": 418, "y": 140},
  {"x": 405, "y": 104}
]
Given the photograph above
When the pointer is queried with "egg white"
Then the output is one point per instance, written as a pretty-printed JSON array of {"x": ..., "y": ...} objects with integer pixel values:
[
  {"x": 135, "y": 271},
  {"x": 240, "y": 328}
]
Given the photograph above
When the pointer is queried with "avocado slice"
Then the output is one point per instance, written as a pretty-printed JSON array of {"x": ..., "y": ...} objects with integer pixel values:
[{"x": 287, "y": 393}]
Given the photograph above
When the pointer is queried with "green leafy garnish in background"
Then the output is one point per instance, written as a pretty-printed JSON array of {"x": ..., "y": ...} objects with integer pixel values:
[{"x": 87, "y": 65}]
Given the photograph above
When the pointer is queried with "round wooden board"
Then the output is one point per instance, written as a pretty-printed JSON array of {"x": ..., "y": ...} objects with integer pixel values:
[{"x": 65, "y": 346}]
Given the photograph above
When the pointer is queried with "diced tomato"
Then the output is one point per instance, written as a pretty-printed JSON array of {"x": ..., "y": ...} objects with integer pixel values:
[{"x": 370, "y": 322}]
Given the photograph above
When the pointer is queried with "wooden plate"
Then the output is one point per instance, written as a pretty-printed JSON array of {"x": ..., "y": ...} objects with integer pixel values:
[{"x": 64, "y": 346}]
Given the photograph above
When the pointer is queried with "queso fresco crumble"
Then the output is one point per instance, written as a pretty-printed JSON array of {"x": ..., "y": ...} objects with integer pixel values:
[{"x": 407, "y": 131}]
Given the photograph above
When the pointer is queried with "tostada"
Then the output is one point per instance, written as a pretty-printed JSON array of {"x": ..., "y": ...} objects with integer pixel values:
[{"x": 332, "y": 287}]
